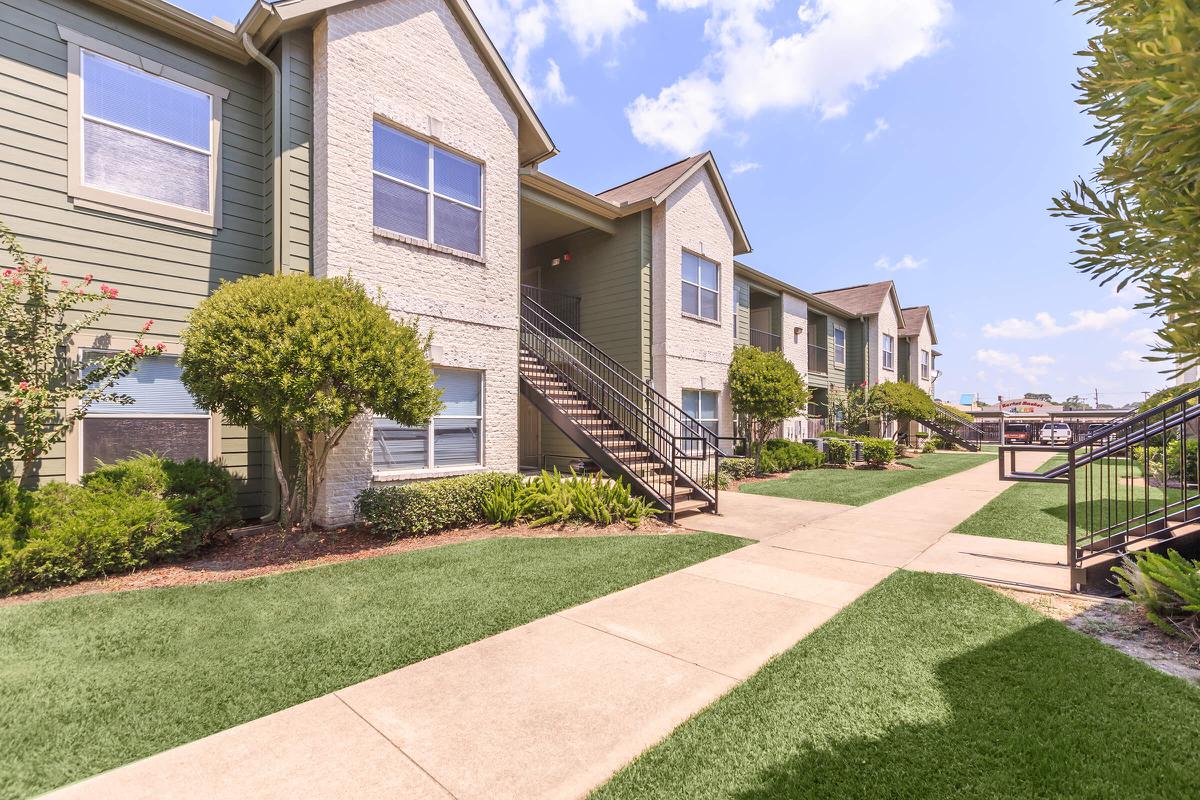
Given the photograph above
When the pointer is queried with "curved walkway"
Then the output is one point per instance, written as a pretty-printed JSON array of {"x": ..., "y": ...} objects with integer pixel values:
[{"x": 552, "y": 708}]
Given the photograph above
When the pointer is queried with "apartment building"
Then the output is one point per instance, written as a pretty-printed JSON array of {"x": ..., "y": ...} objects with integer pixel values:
[{"x": 387, "y": 140}]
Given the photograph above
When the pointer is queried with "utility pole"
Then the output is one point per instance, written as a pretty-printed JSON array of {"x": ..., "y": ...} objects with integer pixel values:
[{"x": 1096, "y": 392}]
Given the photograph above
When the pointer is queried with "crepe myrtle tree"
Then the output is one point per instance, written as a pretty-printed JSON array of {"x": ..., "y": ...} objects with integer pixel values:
[
  {"x": 300, "y": 358},
  {"x": 892, "y": 401},
  {"x": 1137, "y": 217},
  {"x": 765, "y": 388},
  {"x": 44, "y": 388}
]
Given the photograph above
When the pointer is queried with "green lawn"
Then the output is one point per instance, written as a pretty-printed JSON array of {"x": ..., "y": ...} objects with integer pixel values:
[
  {"x": 1035, "y": 512},
  {"x": 861, "y": 486},
  {"x": 933, "y": 687},
  {"x": 90, "y": 683}
]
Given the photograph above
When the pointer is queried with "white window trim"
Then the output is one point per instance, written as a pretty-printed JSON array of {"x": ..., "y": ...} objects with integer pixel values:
[
  {"x": 885, "y": 354},
  {"x": 839, "y": 362},
  {"x": 74, "y": 442},
  {"x": 698, "y": 316},
  {"x": 926, "y": 363},
  {"x": 431, "y": 193},
  {"x": 91, "y": 197},
  {"x": 429, "y": 469},
  {"x": 699, "y": 406}
]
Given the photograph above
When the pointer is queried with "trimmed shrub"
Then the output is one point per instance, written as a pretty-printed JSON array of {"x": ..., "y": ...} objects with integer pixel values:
[
  {"x": 731, "y": 469},
  {"x": 121, "y": 517},
  {"x": 201, "y": 492},
  {"x": 75, "y": 533},
  {"x": 784, "y": 455},
  {"x": 831, "y": 434},
  {"x": 929, "y": 447},
  {"x": 425, "y": 507},
  {"x": 878, "y": 452},
  {"x": 839, "y": 451},
  {"x": 554, "y": 498}
]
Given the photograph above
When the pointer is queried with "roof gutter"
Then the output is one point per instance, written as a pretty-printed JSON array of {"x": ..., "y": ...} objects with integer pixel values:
[{"x": 277, "y": 188}]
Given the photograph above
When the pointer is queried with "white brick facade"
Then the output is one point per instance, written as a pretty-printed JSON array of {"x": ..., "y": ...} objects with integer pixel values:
[
  {"x": 409, "y": 63},
  {"x": 690, "y": 353}
]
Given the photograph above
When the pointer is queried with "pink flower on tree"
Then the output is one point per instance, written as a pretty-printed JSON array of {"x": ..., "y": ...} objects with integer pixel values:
[
  {"x": 108, "y": 291},
  {"x": 146, "y": 326},
  {"x": 23, "y": 385},
  {"x": 87, "y": 278},
  {"x": 160, "y": 347}
]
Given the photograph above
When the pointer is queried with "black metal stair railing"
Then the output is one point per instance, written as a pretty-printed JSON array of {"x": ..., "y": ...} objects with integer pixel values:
[
  {"x": 956, "y": 428},
  {"x": 672, "y": 450},
  {"x": 1130, "y": 486}
]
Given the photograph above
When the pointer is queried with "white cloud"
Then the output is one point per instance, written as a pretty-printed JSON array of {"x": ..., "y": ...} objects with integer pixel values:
[
  {"x": 1129, "y": 361},
  {"x": 881, "y": 126},
  {"x": 908, "y": 262},
  {"x": 1044, "y": 325},
  {"x": 845, "y": 46},
  {"x": 1143, "y": 336},
  {"x": 1031, "y": 369},
  {"x": 520, "y": 28},
  {"x": 744, "y": 166},
  {"x": 589, "y": 22}
]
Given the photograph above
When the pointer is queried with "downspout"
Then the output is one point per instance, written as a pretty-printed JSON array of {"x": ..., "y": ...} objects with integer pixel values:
[
  {"x": 276, "y": 151},
  {"x": 277, "y": 262}
]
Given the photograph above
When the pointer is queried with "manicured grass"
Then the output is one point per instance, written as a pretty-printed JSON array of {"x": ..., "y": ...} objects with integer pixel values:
[
  {"x": 91, "y": 683},
  {"x": 861, "y": 486},
  {"x": 1035, "y": 512},
  {"x": 933, "y": 687}
]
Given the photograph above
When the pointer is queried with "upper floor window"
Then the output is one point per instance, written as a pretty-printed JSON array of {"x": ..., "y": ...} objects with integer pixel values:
[
  {"x": 925, "y": 365},
  {"x": 701, "y": 286},
  {"x": 839, "y": 345},
  {"x": 143, "y": 137},
  {"x": 889, "y": 351},
  {"x": 427, "y": 192}
]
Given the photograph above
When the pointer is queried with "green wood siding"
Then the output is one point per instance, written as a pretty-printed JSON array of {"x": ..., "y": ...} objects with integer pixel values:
[
  {"x": 904, "y": 354},
  {"x": 741, "y": 299},
  {"x": 297, "y": 143},
  {"x": 162, "y": 272},
  {"x": 855, "y": 365},
  {"x": 611, "y": 276}
]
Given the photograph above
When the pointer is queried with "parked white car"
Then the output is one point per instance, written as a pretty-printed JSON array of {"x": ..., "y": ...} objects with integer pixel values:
[{"x": 1055, "y": 433}]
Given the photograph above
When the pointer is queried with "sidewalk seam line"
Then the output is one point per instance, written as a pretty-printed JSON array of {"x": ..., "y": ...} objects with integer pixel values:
[
  {"x": 684, "y": 571},
  {"x": 398, "y": 748},
  {"x": 651, "y": 649}
]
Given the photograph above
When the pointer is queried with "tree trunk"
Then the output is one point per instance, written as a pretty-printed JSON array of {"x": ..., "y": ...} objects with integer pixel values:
[{"x": 285, "y": 491}]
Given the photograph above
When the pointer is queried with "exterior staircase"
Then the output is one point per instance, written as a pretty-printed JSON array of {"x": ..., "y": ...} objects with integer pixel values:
[
  {"x": 1131, "y": 487},
  {"x": 615, "y": 417},
  {"x": 952, "y": 428}
]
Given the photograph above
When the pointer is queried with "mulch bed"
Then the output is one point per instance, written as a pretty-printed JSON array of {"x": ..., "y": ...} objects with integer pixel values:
[
  {"x": 264, "y": 550},
  {"x": 1118, "y": 624}
]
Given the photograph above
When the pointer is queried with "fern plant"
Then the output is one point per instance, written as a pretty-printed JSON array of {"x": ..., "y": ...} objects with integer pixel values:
[
  {"x": 1167, "y": 588},
  {"x": 552, "y": 498}
]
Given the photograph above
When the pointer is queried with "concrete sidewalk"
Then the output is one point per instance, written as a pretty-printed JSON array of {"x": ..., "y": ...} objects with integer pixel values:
[{"x": 554, "y": 707}]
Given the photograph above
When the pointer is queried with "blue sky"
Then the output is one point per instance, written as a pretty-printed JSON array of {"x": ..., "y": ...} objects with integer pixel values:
[{"x": 918, "y": 140}]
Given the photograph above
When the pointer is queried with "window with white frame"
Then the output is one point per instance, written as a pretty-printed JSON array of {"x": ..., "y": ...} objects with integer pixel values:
[
  {"x": 702, "y": 405},
  {"x": 839, "y": 345},
  {"x": 162, "y": 419},
  {"x": 889, "y": 351},
  {"x": 701, "y": 286},
  {"x": 925, "y": 365},
  {"x": 452, "y": 439},
  {"x": 427, "y": 192}
]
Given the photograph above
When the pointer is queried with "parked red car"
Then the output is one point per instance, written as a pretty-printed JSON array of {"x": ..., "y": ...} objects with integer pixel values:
[{"x": 1018, "y": 433}]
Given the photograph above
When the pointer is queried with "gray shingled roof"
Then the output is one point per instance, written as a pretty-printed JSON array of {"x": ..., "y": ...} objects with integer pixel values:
[
  {"x": 651, "y": 185},
  {"x": 914, "y": 320},
  {"x": 863, "y": 300}
]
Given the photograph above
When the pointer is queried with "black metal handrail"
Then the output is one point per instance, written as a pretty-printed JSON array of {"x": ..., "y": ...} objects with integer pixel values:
[
  {"x": 661, "y": 430},
  {"x": 1129, "y": 486},
  {"x": 565, "y": 307},
  {"x": 634, "y": 384},
  {"x": 765, "y": 340}
]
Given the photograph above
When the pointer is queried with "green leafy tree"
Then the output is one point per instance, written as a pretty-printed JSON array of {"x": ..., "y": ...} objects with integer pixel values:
[
  {"x": 1045, "y": 398},
  {"x": 892, "y": 401},
  {"x": 765, "y": 389},
  {"x": 850, "y": 411},
  {"x": 44, "y": 389},
  {"x": 1076, "y": 403},
  {"x": 300, "y": 358},
  {"x": 1138, "y": 217}
]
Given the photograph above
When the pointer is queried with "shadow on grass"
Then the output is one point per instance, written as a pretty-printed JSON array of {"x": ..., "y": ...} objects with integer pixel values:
[{"x": 1020, "y": 725}]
